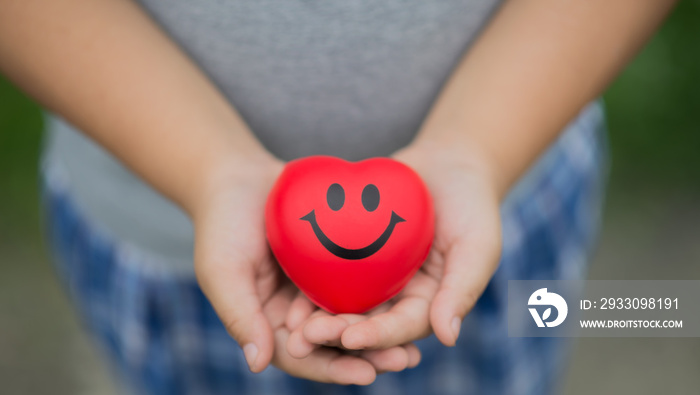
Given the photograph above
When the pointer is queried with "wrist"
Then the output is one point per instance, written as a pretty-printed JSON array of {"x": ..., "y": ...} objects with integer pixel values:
[
  {"x": 459, "y": 157},
  {"x": 235, "y": 167}
]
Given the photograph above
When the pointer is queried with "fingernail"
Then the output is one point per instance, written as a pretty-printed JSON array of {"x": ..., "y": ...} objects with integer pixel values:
[
  {"x": 250, "y": 351},
  {"x": 456, "y": 326}
]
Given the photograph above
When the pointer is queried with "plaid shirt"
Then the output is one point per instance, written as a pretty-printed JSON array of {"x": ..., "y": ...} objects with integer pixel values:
[{"x": 164, "y": 337}]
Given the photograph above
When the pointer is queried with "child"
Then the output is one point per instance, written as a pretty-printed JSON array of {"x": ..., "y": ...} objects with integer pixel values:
[{"x": 206, "y": 110}]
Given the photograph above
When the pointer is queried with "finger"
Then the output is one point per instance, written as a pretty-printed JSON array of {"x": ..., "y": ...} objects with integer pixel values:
[
  {"x": 468, "y": 269},
  {"x": 324, "y": 365},
  {"x": 320, "y": 329},
  {"x": 297, "y": 345},
  {"x": 277, "y": 306},
  {"x": 414, "y": 355},
  {"x": 394, "y": 359},
  {"x": 232, "y": 292},
  {"x": 324, "y": 329},
  {"x": 299, "y": 311},
  {"x": 407, "y": 321},
  {"x": 327, "y": 329}
]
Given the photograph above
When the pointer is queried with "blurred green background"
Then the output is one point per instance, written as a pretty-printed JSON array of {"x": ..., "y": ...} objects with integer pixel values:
[{"x": 650, "y": 226}]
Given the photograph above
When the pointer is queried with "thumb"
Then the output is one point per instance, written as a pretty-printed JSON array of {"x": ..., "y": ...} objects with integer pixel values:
[
  {"x": 231, "y": 289},
  {"x": 468, "y": 270}
]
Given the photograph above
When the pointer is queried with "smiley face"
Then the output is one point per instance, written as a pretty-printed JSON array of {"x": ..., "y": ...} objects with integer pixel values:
[
  {"x": 350, "y": 235},
  {"x": 335, "y": 197}
]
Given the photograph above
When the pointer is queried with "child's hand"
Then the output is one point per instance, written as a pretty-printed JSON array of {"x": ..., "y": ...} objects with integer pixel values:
[
  {"x": 326, "y": 330},
  {"x": 245, "y": 285},
  {"x": 464, "y": 256}
]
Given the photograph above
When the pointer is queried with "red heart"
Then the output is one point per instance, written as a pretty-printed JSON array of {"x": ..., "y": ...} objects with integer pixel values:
[{"x": 349, "y": 235}]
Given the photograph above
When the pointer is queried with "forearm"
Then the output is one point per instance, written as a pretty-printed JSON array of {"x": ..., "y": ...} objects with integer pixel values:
[
  {"x": 532, "y": 70},
  {"x": 107, "y": 68}
]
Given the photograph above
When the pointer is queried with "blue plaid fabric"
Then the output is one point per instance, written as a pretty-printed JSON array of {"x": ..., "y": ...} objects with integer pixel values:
[{"x": 164, "y": 337}]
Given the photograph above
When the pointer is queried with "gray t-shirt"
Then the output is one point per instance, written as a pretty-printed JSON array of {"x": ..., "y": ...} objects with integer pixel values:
[{"x": 352, "y": 78}]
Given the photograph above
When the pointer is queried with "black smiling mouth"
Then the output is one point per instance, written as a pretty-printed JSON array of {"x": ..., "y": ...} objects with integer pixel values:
[{"x": 347, "y": 253}]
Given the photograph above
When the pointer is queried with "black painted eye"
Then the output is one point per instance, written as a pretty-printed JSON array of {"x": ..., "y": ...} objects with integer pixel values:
[
  {"x": 370, "y": 197},
  {"x": 335, "y": 197}
]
